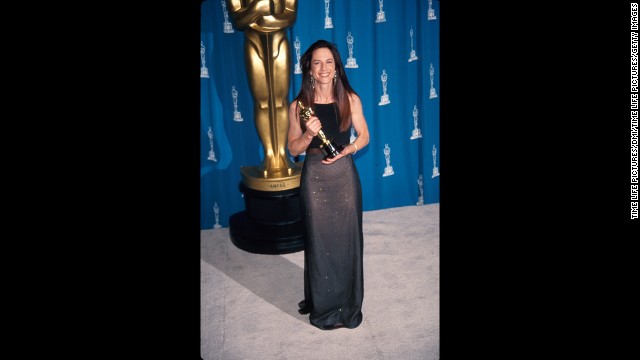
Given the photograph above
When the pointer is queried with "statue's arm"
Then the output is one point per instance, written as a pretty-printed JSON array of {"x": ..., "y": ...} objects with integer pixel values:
[
  {"x": 263, "y": 15},
  {"x": 280, "y": 18},
  {"x": 246, "y": 16}
]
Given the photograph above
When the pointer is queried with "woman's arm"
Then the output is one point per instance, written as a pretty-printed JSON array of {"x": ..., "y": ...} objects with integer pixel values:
[
  {"x": 298, "y": 141},
  {"x": 359, "y": 123}
]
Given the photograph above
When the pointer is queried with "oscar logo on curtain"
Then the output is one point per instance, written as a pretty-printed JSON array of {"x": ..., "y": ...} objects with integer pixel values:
[{"x": 271, "y": 223}]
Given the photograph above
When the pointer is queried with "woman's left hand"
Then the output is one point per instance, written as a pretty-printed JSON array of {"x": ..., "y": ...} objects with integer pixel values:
[{"x": 344, "y": 152}]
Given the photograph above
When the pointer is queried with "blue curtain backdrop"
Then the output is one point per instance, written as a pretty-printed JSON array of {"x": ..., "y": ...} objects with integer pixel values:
[{"x": 396, "y": 39}]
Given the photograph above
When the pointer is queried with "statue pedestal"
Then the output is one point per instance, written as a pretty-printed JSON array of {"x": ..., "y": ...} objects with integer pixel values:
[{"x": 271, "y": 223}]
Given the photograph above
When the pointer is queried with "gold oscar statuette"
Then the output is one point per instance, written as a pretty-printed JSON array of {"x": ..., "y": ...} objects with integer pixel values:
[
  {"x": 328, "y": 147},
  {"x": 271, "y": 222},
  {"x": 267, "y": 58}
]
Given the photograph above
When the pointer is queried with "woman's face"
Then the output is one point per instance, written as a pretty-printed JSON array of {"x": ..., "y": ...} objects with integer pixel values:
[{"x": 323, "y": 66}]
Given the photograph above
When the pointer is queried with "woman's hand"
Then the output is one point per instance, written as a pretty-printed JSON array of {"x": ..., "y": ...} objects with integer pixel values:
[
  {"x": 344, "y": 152},
  {"x": 313, "y": 125}
]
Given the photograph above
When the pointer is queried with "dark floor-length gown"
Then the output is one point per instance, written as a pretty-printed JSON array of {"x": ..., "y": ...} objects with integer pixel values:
[{"x": 331, "y": 204}]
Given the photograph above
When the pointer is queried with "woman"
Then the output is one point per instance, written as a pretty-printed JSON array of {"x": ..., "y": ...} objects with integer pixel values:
[{"x": 330, "y": 191}]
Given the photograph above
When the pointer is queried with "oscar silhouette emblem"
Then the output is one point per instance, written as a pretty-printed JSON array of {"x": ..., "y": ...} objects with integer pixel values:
[
  {"x": 328, "y": 148},
  {"x": 271, "y": 222}
]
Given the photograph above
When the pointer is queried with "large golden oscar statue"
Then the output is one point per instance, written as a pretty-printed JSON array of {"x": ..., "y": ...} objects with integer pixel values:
[
  {"x": 271, "y": 223},
  {"x": 267, "y": 58}
]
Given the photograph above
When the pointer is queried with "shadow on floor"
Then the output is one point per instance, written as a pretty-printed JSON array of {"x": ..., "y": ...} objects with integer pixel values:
[{"x": 271, "y": 277}]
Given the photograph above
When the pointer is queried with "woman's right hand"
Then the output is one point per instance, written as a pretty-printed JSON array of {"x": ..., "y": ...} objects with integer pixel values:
[{"x": 313, "y": 126}]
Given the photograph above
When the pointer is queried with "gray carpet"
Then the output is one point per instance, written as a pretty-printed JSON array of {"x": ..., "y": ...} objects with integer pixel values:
[{"x": 249, "y": 302}]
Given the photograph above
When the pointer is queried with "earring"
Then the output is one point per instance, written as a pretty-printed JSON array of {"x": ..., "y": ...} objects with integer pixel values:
[
  {"x": 335, "y": 78},
  {"x": 313, "y": 82}
]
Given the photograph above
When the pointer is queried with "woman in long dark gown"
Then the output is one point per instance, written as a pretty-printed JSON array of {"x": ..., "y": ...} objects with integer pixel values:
[{"x": 331, "y": 194}]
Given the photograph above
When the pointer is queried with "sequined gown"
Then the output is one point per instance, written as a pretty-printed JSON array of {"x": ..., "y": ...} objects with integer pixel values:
[{"x": 331, "y": 203}]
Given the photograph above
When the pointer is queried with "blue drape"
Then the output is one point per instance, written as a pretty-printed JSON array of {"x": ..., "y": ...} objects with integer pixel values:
[{"x": 400, "y": 166}]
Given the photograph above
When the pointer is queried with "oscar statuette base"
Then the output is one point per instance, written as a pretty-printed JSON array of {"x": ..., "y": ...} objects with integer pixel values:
[{"x": 271, "y": 223}]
